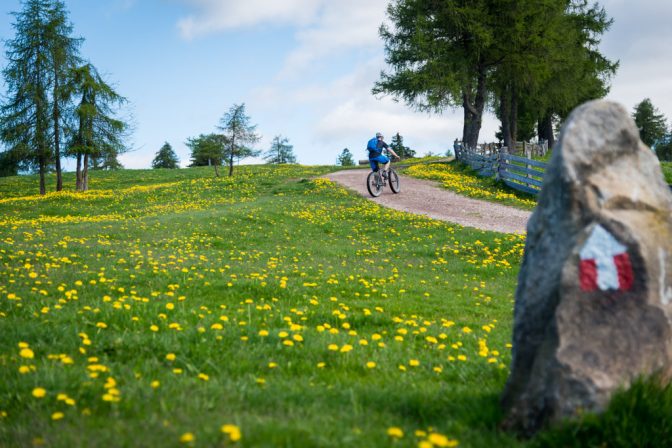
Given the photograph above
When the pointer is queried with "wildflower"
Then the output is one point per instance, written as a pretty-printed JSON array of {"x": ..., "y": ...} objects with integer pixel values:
[
  {"x": 26, "y": 353},
  {"x": 203, "y": 376},
  {"x": 155, "y": 384},
  {"x": 187, "y": 437},
  {"x": 233, "y": 431},
  {"x": 371, "y": 365},
  {"x": 57, "y": 416},
  {"x": 414, "y": 363},
  {"x": 39, "y": 392},
  {"x": 395, "y": 432},
  {"x": 346, "y": 348},
  {"x": 170, "y": 356}
]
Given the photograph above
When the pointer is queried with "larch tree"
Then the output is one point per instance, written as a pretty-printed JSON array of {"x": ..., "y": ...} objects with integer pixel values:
[
  {"x": 98, "y": 135},
  {"x": 64, "y": 54},
  {"x": 25, "y": 117},
  {"x": 240, "y": 134},
  {"x": 280, "y": 152}
]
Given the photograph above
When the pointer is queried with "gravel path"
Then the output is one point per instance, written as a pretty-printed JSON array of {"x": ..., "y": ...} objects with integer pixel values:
[{"x": 425, "y": 197}]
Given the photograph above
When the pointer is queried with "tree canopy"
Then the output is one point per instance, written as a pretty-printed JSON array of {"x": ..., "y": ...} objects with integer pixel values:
[{"x": 525, "y": 59}]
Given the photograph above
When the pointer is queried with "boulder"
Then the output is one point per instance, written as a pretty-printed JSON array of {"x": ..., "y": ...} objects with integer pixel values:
[{"x": 594, "y": 297}]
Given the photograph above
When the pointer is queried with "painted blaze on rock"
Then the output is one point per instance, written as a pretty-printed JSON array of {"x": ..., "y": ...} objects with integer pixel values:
[
  {"x": 605, "y": 263},
  {"x": 593, "y": 304}
]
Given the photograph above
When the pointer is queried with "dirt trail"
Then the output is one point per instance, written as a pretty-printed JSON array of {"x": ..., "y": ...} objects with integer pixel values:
[{"x": 425, "y": 197}]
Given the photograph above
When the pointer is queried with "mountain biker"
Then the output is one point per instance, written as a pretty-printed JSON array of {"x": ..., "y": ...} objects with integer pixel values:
[{"x": 375, "y": 147}]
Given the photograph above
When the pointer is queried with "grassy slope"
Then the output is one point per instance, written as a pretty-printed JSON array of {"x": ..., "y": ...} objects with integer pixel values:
[{"x": 212, "y": 265}]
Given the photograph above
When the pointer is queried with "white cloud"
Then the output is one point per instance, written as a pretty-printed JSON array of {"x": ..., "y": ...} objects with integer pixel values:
[
  {"x": 218, "y": 15},
  {"x": 342, "y": 26}
]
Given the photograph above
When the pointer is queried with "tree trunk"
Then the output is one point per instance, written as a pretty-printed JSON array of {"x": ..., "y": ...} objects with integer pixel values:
[
  {"x": 545, "y": 129},
  {"x": 57, "y": 136},
  {"x": 473, "y": 112},
  {"x": 514, "y": 117},
  {"x": 233, "y": 147},
  {"x": 78, "y": 181},
  {"x": 505, "y": 117},
  {"x": 43, "y": 169},
  {"x": 85, "y": 173},
  {"x": 217, "y": 170}
]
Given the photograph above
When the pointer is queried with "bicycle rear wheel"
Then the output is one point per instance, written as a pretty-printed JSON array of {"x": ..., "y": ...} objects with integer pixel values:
[
  {"x": 374, "y": 183},
  {"x": 393, "y": 177}
]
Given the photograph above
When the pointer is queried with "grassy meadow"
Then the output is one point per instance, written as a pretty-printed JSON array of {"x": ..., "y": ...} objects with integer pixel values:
[{"x": 274, "y": 308}]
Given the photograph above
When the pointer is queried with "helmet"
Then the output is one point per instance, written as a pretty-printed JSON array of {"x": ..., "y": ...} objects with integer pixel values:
[{"x": 379, "y": 135}]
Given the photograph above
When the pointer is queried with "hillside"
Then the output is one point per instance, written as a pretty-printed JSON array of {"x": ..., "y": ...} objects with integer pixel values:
[{"x": 165, "y": 303}]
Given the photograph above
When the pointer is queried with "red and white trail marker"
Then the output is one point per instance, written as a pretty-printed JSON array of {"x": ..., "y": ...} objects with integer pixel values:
[{"x": 605, "y": 263}]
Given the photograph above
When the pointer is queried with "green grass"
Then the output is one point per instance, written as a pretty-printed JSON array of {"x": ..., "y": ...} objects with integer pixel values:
[
  {"x": 300, "y": 313},
  {"x": 639, "y": 417},
  {"x": 667, "y": 171},
  {"x": 213, "y": 264}
]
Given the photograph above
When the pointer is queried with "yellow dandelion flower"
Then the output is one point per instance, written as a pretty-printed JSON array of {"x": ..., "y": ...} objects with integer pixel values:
[
  {"x": 39, "y": 392},
  {"x": 395, "y": 432},
  {"x": 187, "y": 437},
  {"x": 57, "y": 416},
  {"x": 26, "y": 353}
]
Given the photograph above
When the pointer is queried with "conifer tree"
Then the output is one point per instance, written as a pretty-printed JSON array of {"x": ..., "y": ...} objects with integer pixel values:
[
  {"x": 397, "y": 144},
  {"x": 240, "y": 134},
  {"x": 651, "y": 123},
  {"x": 25, "y": 116},
  {"x": 166, "y": 158},
  {"x": 281, "y": 152},
  {"x": 99, "y": 135},
  {"x": 345, "y": 158}
]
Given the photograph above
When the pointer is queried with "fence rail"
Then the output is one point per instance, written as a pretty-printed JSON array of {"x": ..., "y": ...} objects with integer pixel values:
[{"x": 517, "y": 172}]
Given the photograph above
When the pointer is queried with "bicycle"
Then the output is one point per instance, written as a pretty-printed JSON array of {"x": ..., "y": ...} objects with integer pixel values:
[{"x": 375, "y": 181}]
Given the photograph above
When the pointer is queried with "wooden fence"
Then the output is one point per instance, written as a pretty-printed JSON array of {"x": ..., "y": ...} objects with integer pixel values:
[{"x": 520, "y": 173}]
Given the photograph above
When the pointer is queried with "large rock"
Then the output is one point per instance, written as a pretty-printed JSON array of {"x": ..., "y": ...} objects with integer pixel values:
[{"x": 593, "y": 303}]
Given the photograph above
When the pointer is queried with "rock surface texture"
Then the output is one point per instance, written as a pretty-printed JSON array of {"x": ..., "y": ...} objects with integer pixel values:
[{"x": 594, "y": 298}]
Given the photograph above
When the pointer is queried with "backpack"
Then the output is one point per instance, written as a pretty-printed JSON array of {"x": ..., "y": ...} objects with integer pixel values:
[{"x": 372, "y": 147}]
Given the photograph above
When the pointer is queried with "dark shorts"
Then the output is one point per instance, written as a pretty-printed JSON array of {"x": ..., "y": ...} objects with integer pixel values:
[{"x": 381, "y": 159}]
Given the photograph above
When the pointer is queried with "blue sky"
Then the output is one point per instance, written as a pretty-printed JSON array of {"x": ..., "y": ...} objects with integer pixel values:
[{"x": 304, "y": 68}]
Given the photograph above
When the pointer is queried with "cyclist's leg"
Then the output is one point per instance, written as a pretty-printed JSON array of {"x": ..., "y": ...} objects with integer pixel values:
[{"x": 374, "y": 164}]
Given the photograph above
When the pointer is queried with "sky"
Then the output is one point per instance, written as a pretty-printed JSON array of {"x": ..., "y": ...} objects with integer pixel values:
[{"x": 303, "y": 68}]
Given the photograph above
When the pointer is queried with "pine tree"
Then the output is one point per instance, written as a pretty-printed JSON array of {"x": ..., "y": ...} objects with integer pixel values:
[
  {"x": 650, "y": 122},
  {"x": 397, "y": 144},
  {"x": 281, "y": 152},
  {"x": 345, "y": 158},
  {"x": 240, "y": 134},
  {"x": 166, "y": 158}
]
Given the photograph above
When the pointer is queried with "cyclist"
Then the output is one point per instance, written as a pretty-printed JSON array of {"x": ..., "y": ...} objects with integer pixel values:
[{"x": 375, "y": 147}]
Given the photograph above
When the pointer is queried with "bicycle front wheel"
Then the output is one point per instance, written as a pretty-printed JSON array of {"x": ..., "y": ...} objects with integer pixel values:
[
  {"x": 394, "y": 181},
  {"x": 374, "y": 183}
]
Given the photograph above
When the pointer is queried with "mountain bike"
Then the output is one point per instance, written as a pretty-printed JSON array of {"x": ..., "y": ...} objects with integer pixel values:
[{"x": 376, "y": 180}]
